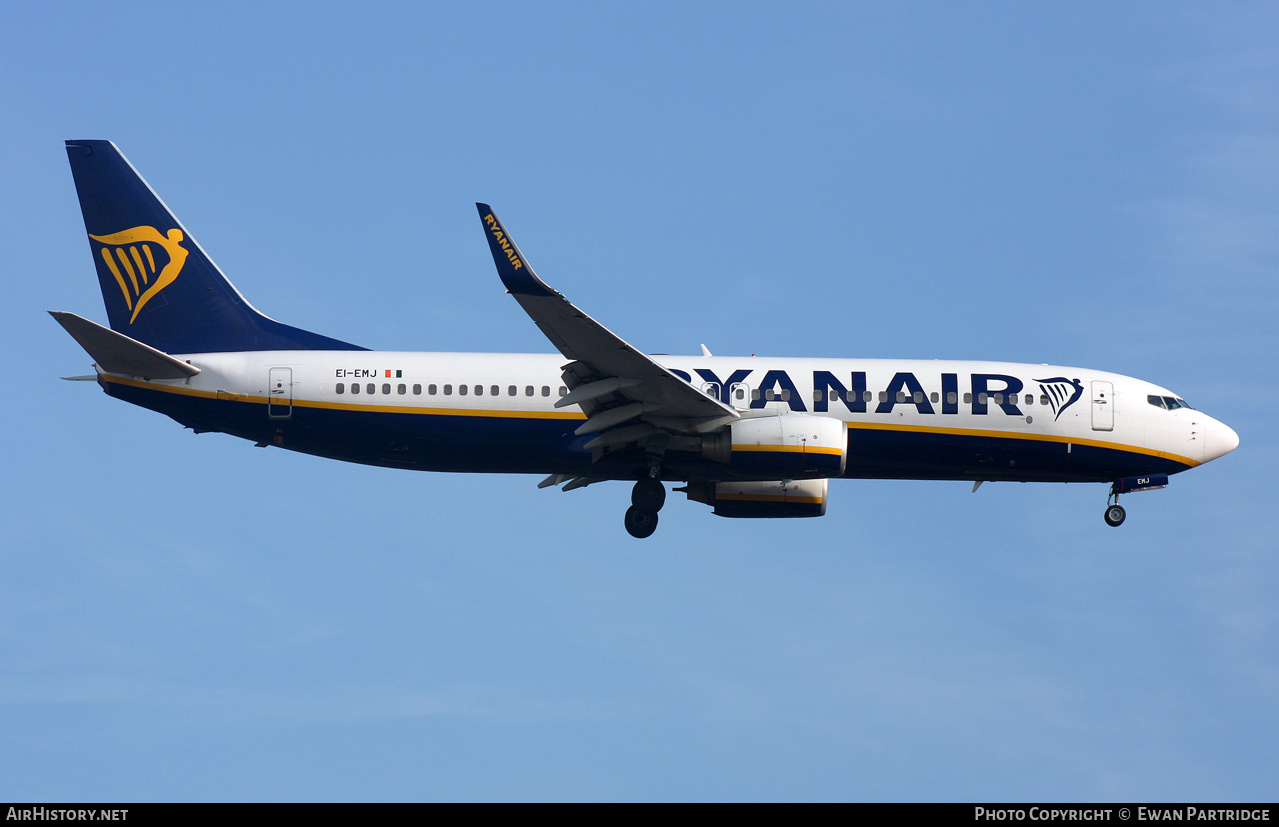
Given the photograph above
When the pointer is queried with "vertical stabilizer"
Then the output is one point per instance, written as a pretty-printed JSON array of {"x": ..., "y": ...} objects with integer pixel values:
[{"x": 158, "y": 285}]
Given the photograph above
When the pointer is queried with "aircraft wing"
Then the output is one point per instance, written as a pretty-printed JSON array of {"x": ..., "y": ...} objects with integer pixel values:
[{"x": 625, "y": 394}]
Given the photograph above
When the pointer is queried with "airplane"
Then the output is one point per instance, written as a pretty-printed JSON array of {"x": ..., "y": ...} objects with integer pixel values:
[{"x": 753, "y": 437}]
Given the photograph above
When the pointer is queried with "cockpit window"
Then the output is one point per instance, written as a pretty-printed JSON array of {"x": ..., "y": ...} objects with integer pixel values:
[{"x": 1172, "y": 403}]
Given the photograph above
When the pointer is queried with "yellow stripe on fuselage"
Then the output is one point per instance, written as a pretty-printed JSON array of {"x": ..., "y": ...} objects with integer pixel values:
[{"x": 569, "y": 415}]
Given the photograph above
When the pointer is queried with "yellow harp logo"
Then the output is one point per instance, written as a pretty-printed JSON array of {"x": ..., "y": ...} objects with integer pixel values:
[{"x": 132, "y": 253}]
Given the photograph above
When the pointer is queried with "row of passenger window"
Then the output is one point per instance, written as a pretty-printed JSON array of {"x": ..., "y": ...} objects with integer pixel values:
[
  {"x": 433, "y": 390},
  {"x": 902, "y": 397},
  {"x": 768, "y": 395}
]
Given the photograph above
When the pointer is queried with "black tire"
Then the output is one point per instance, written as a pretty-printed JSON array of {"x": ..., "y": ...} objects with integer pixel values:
[
  {"x": 1115, "y": 515},
  {"x": 640, "y": 523},
  {"x": 648, "y": 495}
]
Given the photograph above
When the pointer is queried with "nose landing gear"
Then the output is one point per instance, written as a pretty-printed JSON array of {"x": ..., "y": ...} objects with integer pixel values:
[{"x": 1115, "y": 513}]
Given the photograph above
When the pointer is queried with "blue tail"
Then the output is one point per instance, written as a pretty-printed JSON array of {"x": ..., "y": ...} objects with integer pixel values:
[{"x": 159, "y": 286}]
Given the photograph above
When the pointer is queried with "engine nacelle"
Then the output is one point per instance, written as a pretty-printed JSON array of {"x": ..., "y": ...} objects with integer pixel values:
[
  {"x": 775, "y": 498},
  {"x": 792, "y": 446}
]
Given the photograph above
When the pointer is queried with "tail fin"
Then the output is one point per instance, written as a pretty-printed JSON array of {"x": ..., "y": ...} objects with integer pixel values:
[{"x": 159, "y": 286}]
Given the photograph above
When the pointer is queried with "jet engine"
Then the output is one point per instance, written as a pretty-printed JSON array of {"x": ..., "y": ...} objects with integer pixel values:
[
  {"x": 793, "y": 446},
  {"x": 775, "y": 498}
]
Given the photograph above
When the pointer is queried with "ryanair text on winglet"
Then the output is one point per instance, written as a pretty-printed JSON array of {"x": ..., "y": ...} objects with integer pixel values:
[{"x": 500, "y": 237}]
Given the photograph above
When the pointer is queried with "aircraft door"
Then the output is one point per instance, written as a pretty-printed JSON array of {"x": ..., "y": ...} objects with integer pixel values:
[
  {"x": 739, "y": 396},
  {"x": 1103, "y": 406},
  {"x": 279, "y": 403}
]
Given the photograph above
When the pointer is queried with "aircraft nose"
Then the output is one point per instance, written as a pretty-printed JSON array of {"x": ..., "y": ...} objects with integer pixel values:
[{"x": 1219, "y": 440}]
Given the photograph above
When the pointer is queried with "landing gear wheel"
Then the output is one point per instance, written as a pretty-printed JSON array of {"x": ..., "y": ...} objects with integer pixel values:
[
  {"x": 640, "y": 523},
  {"x": 1115, "y": 515},
  {"x": 648, "y": 495}
]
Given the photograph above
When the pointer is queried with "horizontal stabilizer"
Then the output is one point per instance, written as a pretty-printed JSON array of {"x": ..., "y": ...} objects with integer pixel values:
[{"x": 116, "y": 353}]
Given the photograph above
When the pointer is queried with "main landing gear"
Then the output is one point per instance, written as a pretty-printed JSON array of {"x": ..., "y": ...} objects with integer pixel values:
[
  {"x": 647, "y": 498},
  {"x": 1115, "y": 513}
]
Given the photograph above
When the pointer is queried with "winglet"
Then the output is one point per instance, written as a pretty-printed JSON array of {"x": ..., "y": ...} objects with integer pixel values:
[{"x": 512, "y": 266}]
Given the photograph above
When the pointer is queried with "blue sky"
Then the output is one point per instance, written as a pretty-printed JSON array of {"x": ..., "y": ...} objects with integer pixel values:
[{"x": 191, "y": 618}]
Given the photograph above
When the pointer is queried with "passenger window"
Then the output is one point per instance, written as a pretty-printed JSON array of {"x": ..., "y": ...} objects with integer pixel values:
[
  {"x": 883, "y": 396},
  {"x": 563, "y": 391},
  {"x": 479, "y": 390},
  {"x": 999, "y": 398},
  {"x": 981, "y": 399},
  {"x": 754, "y": 394},
  {"x": 817, "y": 394},
  {"x": 867, "y": 396},
  {"x": 512, "y": 390},
  {"x": 768, "y": 395},
  {"x": 355, "y": 387},
  {"x": 1030, "y": 399},
  {"x": 1043, "y": 399},
  {"x": 901, "y": 396},
  {"x": 918, "y": 397},
  {"x": 934, "y": 397},
  {"x": 339, "y": 388},
  {"x": 448, "y": 390},
  {"x": 952, "y": 398},
  {"x": 463, "y": 390},
  {"x": 386, "y": 387},
  {"x": 546, "y": 390},
  {"x": 495, "y": 391},
  {"x": 785, "y": 396},
  {"x": 371, "y": 388},
  {"x": 739, "y": 394},
  {"x": 528, "y": 390},
  {"x": 417, "y": 390},
  {"x": 402, "y": 389},
  {"x": 968, "y": 398},
  {"x": 431, "y": 389}
]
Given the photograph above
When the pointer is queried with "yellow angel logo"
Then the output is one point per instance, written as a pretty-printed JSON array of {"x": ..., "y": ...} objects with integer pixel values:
[{"x": 130, "y": 252}]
